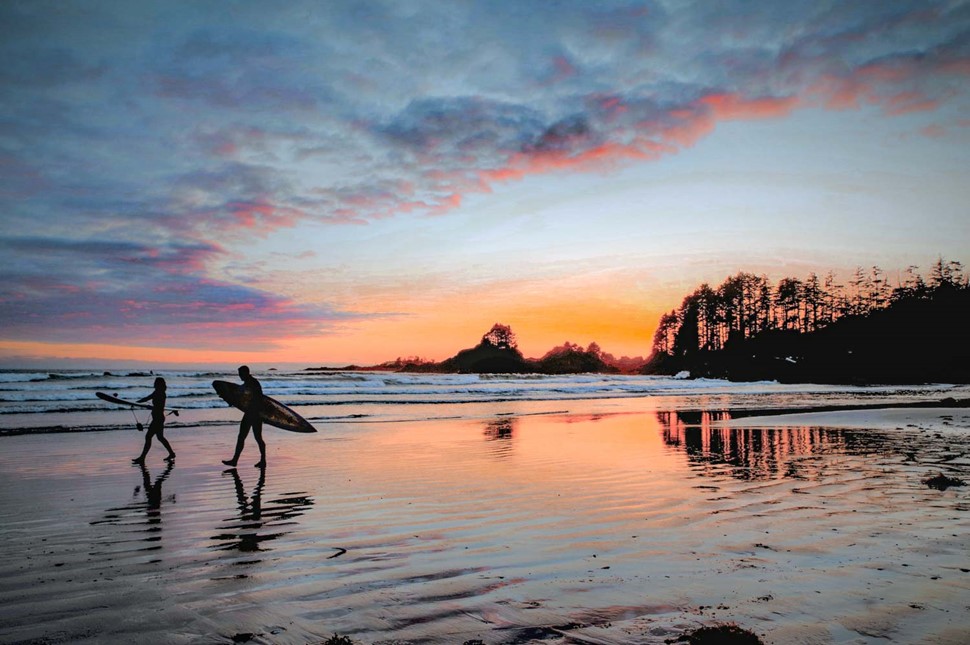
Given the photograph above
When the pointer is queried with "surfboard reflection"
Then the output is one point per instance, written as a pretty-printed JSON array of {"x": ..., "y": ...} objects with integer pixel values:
[
  {"x": 257, "y": 524},
  {"x": 144, "y": 515}
]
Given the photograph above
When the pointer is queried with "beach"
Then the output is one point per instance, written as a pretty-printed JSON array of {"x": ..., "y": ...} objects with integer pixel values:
[{"x": 581, "y": 521}]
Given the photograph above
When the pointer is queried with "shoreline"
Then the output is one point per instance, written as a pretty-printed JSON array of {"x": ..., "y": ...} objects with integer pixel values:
[
  {"x": 947, "y": 402},
  {"x": 637, "y": 403}
]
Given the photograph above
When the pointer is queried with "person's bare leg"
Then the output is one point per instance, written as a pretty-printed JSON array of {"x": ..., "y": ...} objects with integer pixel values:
[
  {"x": 171, "y": 453},
  {"x": 258, "y": 435},
  {"x": 140, "y": 459},
  {"x": 240, "y": 441}
]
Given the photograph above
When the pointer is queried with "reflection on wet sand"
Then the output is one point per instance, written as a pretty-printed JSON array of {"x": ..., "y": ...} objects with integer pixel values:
[
  {"x": 749, "y": 453},
  {"x": 582, "y": 526},
  {"x": 147, "y": 511},
  {"x": 784, "y": 451},
  {"x": 500, "y": 432},
  {"x": 255, "y": 525}
]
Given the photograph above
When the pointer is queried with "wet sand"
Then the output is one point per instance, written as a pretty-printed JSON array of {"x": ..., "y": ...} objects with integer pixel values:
[{"x": 586, "y": 526}]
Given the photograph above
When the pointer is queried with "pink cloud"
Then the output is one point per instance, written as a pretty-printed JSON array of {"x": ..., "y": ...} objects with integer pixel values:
[
  {"x": 685, "y": 126},
  {"x": 447, "y": 203},
  {"x": 960, "y": 67},
  {"x": 840, "y": 93},
  {"x": 896, "y": 86},
  {"x": 610, "y": 106},
  {"x": 727, "y": 106},
  {"x": 260, "y": 215},
  {"x": 651, "y": 139},
  {"x": 908, "y": 102},
  {"x": 522, "y": 164}
]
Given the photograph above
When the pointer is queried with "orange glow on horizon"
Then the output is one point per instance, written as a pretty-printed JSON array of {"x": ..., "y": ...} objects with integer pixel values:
[
  {"x": 40, "y": 351},
  {"x": 435, "y": 330}
]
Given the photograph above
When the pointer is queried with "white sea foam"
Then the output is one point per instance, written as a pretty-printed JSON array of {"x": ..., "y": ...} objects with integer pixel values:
[{"x": 35, "y": 394}]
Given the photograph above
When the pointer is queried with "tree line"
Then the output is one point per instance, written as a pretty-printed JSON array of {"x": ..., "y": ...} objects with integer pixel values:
[{"x": 746, "y": 305}]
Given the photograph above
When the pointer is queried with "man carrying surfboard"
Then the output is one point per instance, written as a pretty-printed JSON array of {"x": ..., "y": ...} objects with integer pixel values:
[
  {"x": 157, "y": 426},
  {"x": 252, "y": 418}
]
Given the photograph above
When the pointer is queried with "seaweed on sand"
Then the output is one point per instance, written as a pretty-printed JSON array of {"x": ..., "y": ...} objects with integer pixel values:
[
  {"x": 719, "y": 635},
  {"x": 942, "y": 482},
  {"x": 336, "y": 639}
]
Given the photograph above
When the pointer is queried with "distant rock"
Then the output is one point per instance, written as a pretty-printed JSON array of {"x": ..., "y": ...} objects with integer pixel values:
[{"x": 486, "y": 359}]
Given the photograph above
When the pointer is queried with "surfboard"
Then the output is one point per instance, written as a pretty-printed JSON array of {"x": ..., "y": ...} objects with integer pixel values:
[
  {"x": 274, "y": 413},
  {"x": 114, "y": 399}
]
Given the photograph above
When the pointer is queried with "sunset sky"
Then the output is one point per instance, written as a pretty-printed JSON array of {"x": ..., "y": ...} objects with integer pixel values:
[{"x": 333, "y": 182}]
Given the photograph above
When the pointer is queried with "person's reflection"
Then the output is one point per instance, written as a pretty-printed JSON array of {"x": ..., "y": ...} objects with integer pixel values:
[
  {"x": 151, "y": 489},
  {"x": 250, "y": 516},
  {"x": 247, "y": 531},
  {"x": 153, "y": 499}
]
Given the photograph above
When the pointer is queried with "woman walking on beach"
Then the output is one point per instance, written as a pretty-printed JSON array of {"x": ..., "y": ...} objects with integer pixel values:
[
  {"x": 252, "y": 418},
  {"x": 157, "y": 426}
]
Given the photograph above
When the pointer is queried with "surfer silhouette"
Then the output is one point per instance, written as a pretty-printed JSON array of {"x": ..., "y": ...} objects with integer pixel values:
[
  {"x": 252, "y": 418},
  {"x": 157, "y": 426}
]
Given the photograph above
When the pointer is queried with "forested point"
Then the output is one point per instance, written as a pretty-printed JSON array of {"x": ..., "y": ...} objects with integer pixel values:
[{"x": 817, "y": 330}]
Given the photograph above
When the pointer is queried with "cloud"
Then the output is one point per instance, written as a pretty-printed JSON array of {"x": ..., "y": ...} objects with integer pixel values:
[
  {"x": 313, "y": 112},
  {"x": 114, "y": 292},
  {"x": 453, "y": 127},
  {"x": 173, "y": 134},
  {"x": 242, "y": 69}
]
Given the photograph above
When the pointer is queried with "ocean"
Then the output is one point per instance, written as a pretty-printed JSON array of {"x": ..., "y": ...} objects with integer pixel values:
[{"x": 41, "y": 401}]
